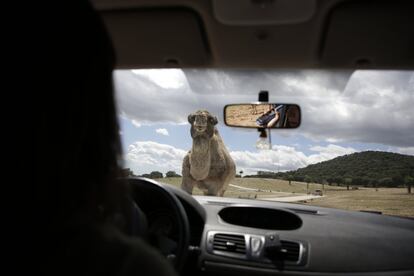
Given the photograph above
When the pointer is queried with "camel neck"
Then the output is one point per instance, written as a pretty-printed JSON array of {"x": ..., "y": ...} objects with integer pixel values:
[
  {"x": 200, "y": 158},
  {"x": 201, "y": 145}
]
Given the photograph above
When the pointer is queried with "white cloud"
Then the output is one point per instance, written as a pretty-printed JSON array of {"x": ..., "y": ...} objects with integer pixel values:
[
  {"x": 407, "y": 150},
  {"x": 284, "y": 158},
  {"x": 162, "y": 131},
  {"x": 142, "y": 100},
  {"x": 165, "y": 78},
  {"x": 281, "y": 158},
  {"x": 373, "y": 107},
  {"x": 329, "y": 152},
  {"x": 135, "y": 123},
  {"x": 147, "y": 156}
]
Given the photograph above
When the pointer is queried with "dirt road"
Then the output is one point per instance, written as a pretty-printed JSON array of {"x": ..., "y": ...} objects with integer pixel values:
[{"x": 291, "y": 198}]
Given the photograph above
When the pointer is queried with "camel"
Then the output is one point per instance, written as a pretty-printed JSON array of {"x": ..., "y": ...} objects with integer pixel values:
[{"x": 208, "y": 165}]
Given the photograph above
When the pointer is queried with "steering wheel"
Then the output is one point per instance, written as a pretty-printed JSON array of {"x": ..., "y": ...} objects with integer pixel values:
[{"x": 145, "y": 192}]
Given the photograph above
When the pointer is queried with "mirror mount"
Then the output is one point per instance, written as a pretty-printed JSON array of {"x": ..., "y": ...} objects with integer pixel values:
[{"x": 264, "y": 97}]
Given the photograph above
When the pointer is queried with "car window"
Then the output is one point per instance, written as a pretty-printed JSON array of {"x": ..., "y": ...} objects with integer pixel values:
[{"x": 353, "y": 150}]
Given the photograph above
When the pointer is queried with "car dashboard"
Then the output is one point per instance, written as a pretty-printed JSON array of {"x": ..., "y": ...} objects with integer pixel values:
[{"x": 254, "y": 237}]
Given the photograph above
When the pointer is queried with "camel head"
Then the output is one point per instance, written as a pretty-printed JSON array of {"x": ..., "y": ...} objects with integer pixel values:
[{"x": 202, "y": 123}]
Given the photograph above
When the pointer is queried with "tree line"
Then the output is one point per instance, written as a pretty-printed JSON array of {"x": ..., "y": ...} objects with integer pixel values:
[
  {"x": 153, "y": 174},
  {"x": 369, "y": 169}
]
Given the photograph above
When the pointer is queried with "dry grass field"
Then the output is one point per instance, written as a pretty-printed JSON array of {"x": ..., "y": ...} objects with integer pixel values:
[{"x": 390, "y": 201}]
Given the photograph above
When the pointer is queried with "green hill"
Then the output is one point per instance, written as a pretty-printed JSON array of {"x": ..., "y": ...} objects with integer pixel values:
[{"x": 369, "y": 168}]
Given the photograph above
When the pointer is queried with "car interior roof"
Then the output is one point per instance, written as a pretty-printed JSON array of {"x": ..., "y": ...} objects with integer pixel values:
[{"x": 325, "y": 34}]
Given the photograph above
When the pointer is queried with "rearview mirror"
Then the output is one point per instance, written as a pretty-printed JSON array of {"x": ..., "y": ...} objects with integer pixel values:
[{"x": 262, "y": 115}]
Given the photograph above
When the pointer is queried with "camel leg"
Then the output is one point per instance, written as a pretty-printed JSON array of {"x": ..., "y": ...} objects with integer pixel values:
[
  {"x": 187, "y": 185},
  {"x": 211, "y": 191},
  {"x": 222, "y": 188},
  {"x": 188, "y": 182},
  {"x": 231, "y": 173},
  {"x": 211, "y": 188}
]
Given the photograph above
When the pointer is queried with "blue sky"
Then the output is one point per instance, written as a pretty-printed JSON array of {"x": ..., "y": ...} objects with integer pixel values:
[{"x": 343, "y": 112}]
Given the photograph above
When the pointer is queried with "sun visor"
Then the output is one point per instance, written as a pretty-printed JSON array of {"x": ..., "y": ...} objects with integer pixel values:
[
  {"x": 263, "y": 12},
  {"x": 368, "y": 34},
  {"x": 157, "y": 38}
]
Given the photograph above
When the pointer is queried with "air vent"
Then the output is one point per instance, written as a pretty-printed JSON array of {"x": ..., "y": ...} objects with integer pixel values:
[
  {"x": 292, "y": 250},
  {"x": 230, "y": 243}
]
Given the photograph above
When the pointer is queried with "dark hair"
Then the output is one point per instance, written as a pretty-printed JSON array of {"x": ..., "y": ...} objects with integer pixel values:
[{"x": 78, "y": 146}]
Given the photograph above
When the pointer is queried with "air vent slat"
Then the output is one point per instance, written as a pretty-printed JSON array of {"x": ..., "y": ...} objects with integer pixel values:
[
  {"x": 228, "y": 239},
  {"x": 225, "y": 245},
  {"x": 230, "y": 236},
  {"x": 225, "y": 241},
  {"x": 293, "y": 250},
  {"x": 230, "y": 243}
]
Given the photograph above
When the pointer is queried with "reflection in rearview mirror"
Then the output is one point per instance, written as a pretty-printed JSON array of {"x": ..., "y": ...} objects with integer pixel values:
[{"x": 262, "y": 115}]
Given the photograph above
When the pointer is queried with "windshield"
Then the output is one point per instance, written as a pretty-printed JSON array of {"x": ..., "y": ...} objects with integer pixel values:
[{"x": 353, "y": 150}]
